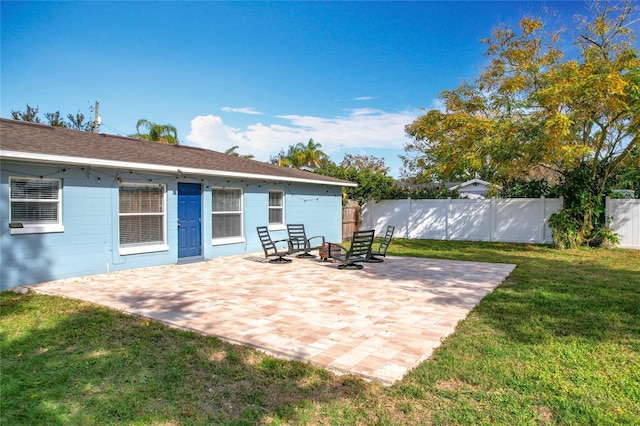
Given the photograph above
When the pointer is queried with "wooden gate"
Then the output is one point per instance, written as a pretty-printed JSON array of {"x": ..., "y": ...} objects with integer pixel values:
[{"x": 350, "y": 219}]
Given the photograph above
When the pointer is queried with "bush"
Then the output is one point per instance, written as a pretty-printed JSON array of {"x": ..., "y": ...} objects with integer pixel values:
[
  {"x": 582, "y": 220},
  {"x": 526, "y": 188}
]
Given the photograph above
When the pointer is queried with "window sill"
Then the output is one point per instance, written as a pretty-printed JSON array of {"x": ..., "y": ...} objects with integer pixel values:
[
  {"x": 277, "y": 227},
  {"x": 36, "y": 229},
  {"x": 223, "y": 241},
  {"x": 124, "y": 251}
]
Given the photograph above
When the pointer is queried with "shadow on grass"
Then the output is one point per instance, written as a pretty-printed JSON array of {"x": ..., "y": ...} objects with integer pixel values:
[
  {"x": 593, "y": 308},
  {"x": 556, "y": 343},
  {"x": 591, "y": 294},
  {"x": 67, "y": 362}
]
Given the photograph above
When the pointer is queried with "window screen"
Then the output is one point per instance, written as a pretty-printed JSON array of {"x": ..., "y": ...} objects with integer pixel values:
[
  {"x": 276, "y": 208},
  {"x": 227, "y": 213}
]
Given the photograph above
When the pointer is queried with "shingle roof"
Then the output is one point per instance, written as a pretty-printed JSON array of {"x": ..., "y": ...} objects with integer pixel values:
[{"x": 40, "y": 142}]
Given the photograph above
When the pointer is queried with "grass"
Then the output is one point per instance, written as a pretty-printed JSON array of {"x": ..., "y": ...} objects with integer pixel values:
[{"x": 557, "y": 343}]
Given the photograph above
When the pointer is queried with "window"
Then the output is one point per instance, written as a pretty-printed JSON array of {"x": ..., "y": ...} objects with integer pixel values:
[
  {"x": 36, "y": 205},
  {"x": 227, "y": 216},
  {"x": 142, "y": 218},
  {"x": 276, "y": 208}
]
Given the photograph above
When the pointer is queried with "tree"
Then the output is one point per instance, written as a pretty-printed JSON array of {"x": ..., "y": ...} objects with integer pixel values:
[
  {"x": 30, "y": 114},
  {"x": 531, "y": 107},
  {"x": 629, "y": 175},
  {"x": 54, "y": 119},
  {"x": 299, "y": 155},
  {"x": 363, "y": 162},
  {"x": 232, "y": 151},
  {"x": 312, "y": 154},
  {"x": 368, "y": 172},
  {"x": 76, "y": 122},
  {"x": 165, "y": 133},
  {"x": 526, "y": 188}
]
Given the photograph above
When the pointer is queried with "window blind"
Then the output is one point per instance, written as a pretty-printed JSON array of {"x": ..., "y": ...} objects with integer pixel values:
[
  {"x": 35, "y": 200},
  {"x": 142, "y": 215}
]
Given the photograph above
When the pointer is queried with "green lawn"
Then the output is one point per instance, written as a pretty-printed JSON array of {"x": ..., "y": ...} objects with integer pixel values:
[{"x": 557, "y": 343}]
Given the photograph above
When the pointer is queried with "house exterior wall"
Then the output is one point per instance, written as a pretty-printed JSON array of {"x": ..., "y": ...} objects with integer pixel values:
[
  {"x": 89, "y": 243},
  {"x": 473, "y": 191}
]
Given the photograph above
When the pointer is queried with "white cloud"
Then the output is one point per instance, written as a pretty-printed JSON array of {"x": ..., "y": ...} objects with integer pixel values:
[
  {"x": 209, "y": 131},
  {"x": 360, "y": 129},
  {"x": 364, "y": 98},
  {"x": 244, "y": 110}
]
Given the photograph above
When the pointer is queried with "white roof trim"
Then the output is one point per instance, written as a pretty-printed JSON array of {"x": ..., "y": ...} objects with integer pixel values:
[
  {"x": 46, "y": 158},
  {"x": 475, "y": 181}
]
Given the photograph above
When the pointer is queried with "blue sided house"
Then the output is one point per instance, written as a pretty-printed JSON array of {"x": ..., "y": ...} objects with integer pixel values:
[{"x": 75, "y": 203}]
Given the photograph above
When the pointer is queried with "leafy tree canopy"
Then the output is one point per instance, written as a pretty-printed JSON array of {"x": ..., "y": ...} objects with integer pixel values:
[
  {"x": 29, "y": 114},
  {"x": 374, "y": 184},
  {"x": 365, "y": 162},
  {"x": 74, "y": 122},
  {"x": 532, "y": 106},
  {"x": 526, "y": 188}
]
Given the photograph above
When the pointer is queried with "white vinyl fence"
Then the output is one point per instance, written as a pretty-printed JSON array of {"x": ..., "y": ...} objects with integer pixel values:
[
  {"x": 625, "y": 220},
  {"x": 520, "y": 220}
]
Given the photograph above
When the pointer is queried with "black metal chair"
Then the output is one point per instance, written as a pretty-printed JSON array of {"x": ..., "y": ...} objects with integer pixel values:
[
  {"x": 270, "y": 248},
  {"x": 358, "y": 251},
  {"x": 298, "y": 241},
  {"x": 380, "y": 245}
]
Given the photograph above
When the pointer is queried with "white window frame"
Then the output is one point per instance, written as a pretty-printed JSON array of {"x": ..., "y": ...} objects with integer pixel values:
[
  {"x": 144, "y": 248},
  {"x": 35, "y": 227},
  {"x": 277, "y": 226},
  {"x": 234, "y": 239}
]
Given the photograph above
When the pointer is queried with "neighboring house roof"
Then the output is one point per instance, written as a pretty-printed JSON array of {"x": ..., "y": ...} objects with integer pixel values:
[
  {"x": 35, "y": 142},
  {"x": 474, "y": 182},
  {"x": 474, "y": 188}
]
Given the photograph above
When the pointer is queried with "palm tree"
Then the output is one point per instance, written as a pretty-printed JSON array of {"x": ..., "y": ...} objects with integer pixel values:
[
  {"x": 234, "y": 153},
  {"x": 165, "y": 133},
  {"x": 300, "y": 155}
]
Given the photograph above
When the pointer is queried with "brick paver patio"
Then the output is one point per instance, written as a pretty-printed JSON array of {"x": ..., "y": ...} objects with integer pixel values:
[{"x": 377, "y": 323}]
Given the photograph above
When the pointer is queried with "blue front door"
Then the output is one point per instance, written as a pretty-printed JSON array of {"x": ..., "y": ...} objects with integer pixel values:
[{"x": 189, "y": 224}]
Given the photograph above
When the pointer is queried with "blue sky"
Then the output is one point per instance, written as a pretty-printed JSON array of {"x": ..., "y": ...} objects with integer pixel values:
[{"x": 260, "y": 75}]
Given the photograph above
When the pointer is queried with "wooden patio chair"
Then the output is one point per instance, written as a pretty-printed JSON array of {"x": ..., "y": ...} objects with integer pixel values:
[
  {"x": 270, "y": 248},
  {"x": 380, "y": 245},
  {"x": 358, "y": 251},
  {"x": 298, "y": 241}
]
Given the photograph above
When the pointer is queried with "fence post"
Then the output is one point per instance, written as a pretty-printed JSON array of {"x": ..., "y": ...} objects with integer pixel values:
[
  {"x": 446, "y": 219},
  {"x": 408, "y": 219},
  {"x": 492, "y": 219},
  {"x": 543, "y": 220},
  {"x": 351, "y": 219}
]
